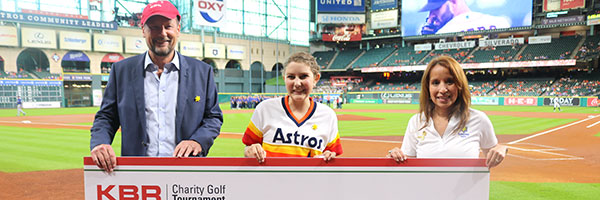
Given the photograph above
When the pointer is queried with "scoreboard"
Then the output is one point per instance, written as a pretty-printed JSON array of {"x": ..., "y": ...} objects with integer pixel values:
[{"x": 34, "y": 93}]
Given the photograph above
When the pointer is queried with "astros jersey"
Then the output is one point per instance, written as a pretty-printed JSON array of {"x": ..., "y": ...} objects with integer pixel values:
[
  {"x": 284, "y": 135},
  {"x": 466, "y": 143},
  {"x": 474, "y": 21}
]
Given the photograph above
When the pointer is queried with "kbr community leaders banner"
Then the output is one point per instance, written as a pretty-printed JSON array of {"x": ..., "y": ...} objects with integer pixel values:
[{"x": 287, "y": 178}]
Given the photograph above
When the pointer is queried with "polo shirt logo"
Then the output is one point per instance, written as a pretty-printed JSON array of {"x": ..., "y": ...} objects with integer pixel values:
[
  {"x": 463, "y": 133},
  {"x": 422, "y": 136}
]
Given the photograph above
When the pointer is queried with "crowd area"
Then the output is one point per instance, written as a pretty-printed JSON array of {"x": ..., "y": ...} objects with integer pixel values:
[{"x": 251, "y": 101}]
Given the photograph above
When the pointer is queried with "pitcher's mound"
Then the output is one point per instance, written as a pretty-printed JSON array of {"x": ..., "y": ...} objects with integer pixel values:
[{"x": 349, "y": 117}]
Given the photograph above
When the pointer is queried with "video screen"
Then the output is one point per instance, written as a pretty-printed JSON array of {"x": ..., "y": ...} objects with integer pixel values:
[{"x": 425, "y": 17}]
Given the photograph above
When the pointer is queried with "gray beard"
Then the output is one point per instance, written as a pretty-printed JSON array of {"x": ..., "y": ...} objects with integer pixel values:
[{"x": 162, "y": 53}]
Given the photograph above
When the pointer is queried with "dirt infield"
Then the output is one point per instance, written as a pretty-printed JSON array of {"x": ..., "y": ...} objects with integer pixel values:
[{"x": 568, "y": 153}]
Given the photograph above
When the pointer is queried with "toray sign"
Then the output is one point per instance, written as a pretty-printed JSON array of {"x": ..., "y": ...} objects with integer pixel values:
[{"x": 212, "y": 11}]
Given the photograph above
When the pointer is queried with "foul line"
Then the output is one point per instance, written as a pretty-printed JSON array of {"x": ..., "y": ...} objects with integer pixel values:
[
  {"x": 552, "y": 130},
  {"x": 594, "y": 124},
  {"x": 42, "y": 123}
]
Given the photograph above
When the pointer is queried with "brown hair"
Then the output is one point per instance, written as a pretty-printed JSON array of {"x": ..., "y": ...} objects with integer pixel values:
[
  {"x": 304, "y": 58},
  {"x": 463, "y": 100}
]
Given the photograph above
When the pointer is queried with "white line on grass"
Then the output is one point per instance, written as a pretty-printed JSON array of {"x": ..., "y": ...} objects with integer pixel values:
[
  {"x": 42, "y": 123},
  {"x": 551, "y": 130}
]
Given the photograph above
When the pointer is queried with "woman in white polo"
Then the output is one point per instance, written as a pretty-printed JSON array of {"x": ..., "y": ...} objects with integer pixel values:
[{"x": 446, "y": 126}]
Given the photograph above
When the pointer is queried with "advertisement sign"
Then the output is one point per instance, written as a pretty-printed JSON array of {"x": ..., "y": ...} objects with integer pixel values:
[
  {"x": 593, "y": 19},
  {"x": 551, "y": 5},
  {"x": 384, "y": 19},
  {"x": 564, "y": 101},
  {"x": 563, "y": 20},
  {"x": 236, "y": 52},
  {"x": 209, "y": 12},
  {"x": 340, "y": 6},
  {"x": 423, "y": 47},
  {"x": 383, "y": 4},
  {"x": 501, "y": 42},
  {"x": 492, "y": 65},
  {"x": 540, "y": 39},
  {"x": 349, "y": 32},
  {"x": 57, "y": 20},
  {"x": 192, "y": 49},
  {"x": 75, "y": 40},
  {"x": 520, "y": 101},
  {"x": 30, "y": 82},
  {"x": 108, "y": 43},
  {"x": 368, "y": 101},
  {"x": 77, "y": 77},
  {"x": 76, "y": 56},
  {"x": 48, "y": 104},
  {"x": 38, "y": 38},
  {"x": 484, "y": 100},
  {"x": 214, "y": 50},
  {"x": 485, "y": 15},
  {"x": 287, "y": 178},
  {"x": 392, "y": 98},
  {"x": 340, "y": 18},
  {"x": 135, "y": 45},
  {"x": 8, "y": 36},
  {"x": 97, "y": 97},
  {"x": 592, "y": 102},
  {"x": 455, "y": 45},
  {"x": 112, "y": 57}
]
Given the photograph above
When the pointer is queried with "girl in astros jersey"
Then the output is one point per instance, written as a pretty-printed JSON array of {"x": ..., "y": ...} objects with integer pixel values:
[
  {"x": 446, "y": 126},
  {"x": 294, "y": 125}
]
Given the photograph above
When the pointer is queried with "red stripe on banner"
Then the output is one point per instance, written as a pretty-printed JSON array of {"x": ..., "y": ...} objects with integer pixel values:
[{"x": 337, "y": 162}]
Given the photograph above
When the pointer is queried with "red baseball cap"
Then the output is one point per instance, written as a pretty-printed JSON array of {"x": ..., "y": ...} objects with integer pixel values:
[{"x": 162, "y": 8}]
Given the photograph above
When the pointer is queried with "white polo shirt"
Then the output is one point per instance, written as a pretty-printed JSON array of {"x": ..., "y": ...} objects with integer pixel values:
[{"x": 427, "y": 143}]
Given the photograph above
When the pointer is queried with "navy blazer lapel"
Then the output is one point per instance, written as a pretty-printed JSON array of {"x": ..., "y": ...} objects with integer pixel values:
[
  {"x": 137, "y": 84},
  {"x": 182, "y": 95}
]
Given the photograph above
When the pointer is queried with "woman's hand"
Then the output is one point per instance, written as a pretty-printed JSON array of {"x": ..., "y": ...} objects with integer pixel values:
[
  {"x": 255, "y": 151},
  {"x": 495, "y": 155},
  {"x": 397, "y": 155},
  {"x": 327, "y": 155}
]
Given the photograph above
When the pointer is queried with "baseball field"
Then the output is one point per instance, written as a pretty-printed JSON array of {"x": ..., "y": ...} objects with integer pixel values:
[{"x": 552, "y": 155}]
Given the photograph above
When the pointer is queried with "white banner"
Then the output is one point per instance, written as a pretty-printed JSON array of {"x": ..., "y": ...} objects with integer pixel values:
[
  {"x": 501, "y": 42},
  {"x": 455, "y": 45},
  {"x": 8, "y": 36},
  {"x": 540, "y": 39},
  {"x": 75, "y": 40},
  {"x": 49, "y": 104},
  {"x": 236, "y": 52},
  {"x": 192, "y": 49},
  {"x": 212, "y": 50},
  {"x": 341, "y": 18},
  {"x": 385, "y": 19},
  {"x": 538, "y": 63},
  {"x": 135, "y": 45},
  {"x": 423, "y": 47},
  {"x": 288, "y": 178},
  {"x": 209, "y": 12},
  {"x": 38, "y": 38},
  {"x": 97, "y": 97},
  {"x": 108, "y": 43}
]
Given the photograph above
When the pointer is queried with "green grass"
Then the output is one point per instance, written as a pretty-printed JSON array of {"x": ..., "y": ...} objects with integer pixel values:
[
  {"x": 543, "y": 191},
  {"x": 49, "y": 111},
  {"x": 227, "y": 147},
  {"x": 33, "y": 149},
  {"x": 598, "y": 135}
]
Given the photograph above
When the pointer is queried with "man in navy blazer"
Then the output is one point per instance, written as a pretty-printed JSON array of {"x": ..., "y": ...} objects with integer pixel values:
[{"x": 166, "y": 104}]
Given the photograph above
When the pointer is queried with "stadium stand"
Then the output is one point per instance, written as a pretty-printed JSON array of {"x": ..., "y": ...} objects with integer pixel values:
[
  {"x": 324, "y": 57},
  {"x": 373, "y": 57},
  {"x": 559, "y": 48},
  {"x": 579, "y": 86},
  {"x": 493, "y": 54},
  {"x": 522, "y": 87},
  {"x": 344, "y": 58},
  {"x": 458, "y": 54},
  {"x": 404, "y": 56},
  {"x": 590, "y": 48}
]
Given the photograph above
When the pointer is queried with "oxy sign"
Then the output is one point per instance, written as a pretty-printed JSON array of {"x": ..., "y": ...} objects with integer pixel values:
[{"x": 209, "y": 12}]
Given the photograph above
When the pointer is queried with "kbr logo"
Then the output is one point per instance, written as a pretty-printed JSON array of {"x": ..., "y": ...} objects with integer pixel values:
[
  {"x": 212, "y": 10},
  {"x": 130, "y": 192}
]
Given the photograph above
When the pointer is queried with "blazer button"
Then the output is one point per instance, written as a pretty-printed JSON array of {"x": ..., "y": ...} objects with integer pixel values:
[{"x": 145, "y": 144}]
